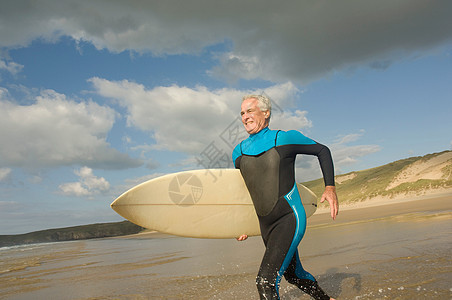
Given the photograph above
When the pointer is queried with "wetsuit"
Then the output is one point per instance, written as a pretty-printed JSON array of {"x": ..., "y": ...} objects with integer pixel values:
[{"x": 266, "y": 161}]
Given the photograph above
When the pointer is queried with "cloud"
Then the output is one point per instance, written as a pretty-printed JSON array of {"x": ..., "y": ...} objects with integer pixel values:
[
  {"x": 188, "y": 119},
  {"x": 129, "y": 183},
  {"x": 88, "y": 185},
  {"x": 11, "y": 67},
  {"x": 343, "y": 154},
  {"x": 56, "y": 131},
  {"x": 296, "y": 40},
  {"x": 4, "y": 173},
  {"x": 152, "y": 164},
  {"x": 348, "y": 155},
  {"x": 295, "y": 120}
]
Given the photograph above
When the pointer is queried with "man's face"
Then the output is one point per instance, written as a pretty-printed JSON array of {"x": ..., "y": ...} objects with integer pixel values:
[{"x": 253, "y": 118}]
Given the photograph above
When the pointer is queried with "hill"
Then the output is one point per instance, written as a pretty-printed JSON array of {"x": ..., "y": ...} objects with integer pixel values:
[
  {"x": 412, "y": 176},
  {"x": 92, "y": 231}
]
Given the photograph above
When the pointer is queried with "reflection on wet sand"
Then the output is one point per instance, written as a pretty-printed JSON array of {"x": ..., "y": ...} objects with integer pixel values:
[{"x": 394, "y": 252}]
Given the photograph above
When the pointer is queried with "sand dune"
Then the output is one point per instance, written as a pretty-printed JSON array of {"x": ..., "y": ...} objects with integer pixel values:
[{"x": 434, "y": 168}]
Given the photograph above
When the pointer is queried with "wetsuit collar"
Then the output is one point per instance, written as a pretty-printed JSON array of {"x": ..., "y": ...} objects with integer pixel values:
[{"x": 260, "y": 133}]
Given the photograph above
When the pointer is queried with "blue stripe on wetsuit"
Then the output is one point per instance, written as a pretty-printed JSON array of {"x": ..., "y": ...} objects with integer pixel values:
[{"x": 294, "y": 200}]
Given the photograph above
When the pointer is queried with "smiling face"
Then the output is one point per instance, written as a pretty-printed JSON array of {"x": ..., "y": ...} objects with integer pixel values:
[{"x": 253, "y": 118}]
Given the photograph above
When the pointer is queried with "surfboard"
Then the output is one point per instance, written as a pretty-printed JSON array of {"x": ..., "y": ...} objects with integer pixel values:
[{"x": 208, "y": 203}]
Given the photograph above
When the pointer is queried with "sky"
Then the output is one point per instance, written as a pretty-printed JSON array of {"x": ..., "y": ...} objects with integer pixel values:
[{"x": 99, "y": 96}]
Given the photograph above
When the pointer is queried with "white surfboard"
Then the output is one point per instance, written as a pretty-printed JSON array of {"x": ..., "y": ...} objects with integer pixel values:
[{"x": 212, "y": 203}]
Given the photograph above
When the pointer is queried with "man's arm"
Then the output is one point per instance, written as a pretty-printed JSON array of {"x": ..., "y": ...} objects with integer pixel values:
[
  {"x": 326, "y": 164},
  {"x": 304, "y": 145}
]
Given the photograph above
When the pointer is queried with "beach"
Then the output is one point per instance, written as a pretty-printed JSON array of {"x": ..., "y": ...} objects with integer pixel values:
[{"x": 400, "y": 250}]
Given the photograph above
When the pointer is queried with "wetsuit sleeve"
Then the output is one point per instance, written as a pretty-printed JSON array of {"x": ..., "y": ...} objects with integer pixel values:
[
  {"x": 296, "y": 143},
  {"x": 323, "y": 154}
]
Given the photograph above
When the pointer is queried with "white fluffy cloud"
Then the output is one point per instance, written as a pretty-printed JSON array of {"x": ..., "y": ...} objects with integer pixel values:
[
  {"x": 187, "y": 120},
  {"x": 294, "y": 40},
  {"x": 88, "y": 185},
  {"x": 56, "y": 131}
]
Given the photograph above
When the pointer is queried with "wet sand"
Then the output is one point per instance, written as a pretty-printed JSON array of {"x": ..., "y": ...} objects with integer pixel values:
[{"x": 395, "y": 251}]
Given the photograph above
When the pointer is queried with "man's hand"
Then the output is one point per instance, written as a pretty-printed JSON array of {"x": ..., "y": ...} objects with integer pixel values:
[
  {"x": 330, "y": 195},
  {"x": 242, "y": 237}
]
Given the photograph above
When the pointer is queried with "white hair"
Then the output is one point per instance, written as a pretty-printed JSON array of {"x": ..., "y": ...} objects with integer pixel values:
[{"x": 263, "y": 102}]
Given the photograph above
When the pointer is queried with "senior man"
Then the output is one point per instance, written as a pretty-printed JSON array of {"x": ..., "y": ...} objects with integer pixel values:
[{"x": 266, "y": 160}]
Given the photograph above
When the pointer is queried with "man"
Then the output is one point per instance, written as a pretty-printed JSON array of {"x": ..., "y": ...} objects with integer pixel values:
[{"x": 266, "y": 160}]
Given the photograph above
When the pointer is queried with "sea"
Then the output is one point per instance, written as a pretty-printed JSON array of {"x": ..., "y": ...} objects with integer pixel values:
[{"x": 365, "y": 255}]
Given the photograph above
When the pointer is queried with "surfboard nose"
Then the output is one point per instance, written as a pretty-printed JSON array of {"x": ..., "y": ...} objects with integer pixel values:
[
  {"x": 121, "y": 207},
  {"x": 115, "y": 203},
  {"x": 118, "y": 203}
]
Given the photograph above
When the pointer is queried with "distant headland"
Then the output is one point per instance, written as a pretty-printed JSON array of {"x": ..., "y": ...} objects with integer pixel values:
[{"x": 93, "y": 231}]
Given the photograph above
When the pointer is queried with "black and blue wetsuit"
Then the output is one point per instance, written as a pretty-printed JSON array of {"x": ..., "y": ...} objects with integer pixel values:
[{"x": 267, "y": 163}]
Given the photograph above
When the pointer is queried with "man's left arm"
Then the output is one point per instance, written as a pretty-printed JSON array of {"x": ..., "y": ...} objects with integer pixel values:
[
  {"x": 326, "y": 164},
  {"x": 305, "y": 145}
]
